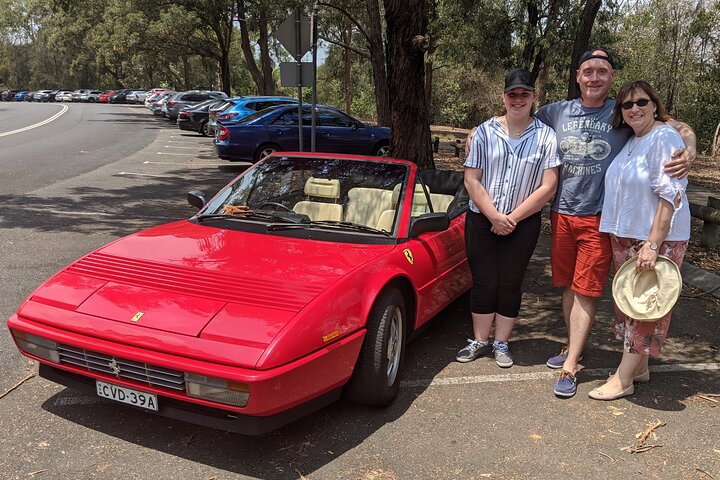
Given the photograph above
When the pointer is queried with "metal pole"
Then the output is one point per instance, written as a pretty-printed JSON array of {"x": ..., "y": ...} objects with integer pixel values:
[
  {"x": 298, "y": 58},
  {"x": 313, "y": 32}
]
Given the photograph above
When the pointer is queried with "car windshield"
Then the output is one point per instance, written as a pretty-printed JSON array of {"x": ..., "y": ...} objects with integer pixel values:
[{"x": 358, "y": 196}]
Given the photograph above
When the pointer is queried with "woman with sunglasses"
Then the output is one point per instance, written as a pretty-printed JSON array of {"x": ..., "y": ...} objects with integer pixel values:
[{"x": 646, "y": 213}]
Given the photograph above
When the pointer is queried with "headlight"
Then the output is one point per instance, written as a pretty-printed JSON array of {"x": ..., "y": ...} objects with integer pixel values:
[
  {"x": 37, "y": 346},
  {"x": 217, "y": 389}
]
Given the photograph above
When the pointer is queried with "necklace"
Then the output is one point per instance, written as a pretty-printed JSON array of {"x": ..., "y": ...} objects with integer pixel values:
[{"x": 631, "y": 147}]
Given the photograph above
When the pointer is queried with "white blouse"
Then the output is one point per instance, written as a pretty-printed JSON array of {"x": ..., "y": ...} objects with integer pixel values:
[{"x": 635, "y": 182}]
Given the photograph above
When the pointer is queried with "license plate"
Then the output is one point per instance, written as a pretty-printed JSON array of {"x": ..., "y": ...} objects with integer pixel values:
[{"x": 127, "y": 395}]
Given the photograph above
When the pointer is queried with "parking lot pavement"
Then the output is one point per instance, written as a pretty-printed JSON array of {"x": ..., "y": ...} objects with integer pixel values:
[{"x": 450, "y": 421}]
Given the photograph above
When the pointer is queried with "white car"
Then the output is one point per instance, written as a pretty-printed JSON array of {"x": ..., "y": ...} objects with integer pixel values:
[{"x": 91, "y": 96}]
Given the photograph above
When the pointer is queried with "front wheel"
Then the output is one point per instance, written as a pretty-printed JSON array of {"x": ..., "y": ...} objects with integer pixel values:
[{"x": 376, "y": 379}]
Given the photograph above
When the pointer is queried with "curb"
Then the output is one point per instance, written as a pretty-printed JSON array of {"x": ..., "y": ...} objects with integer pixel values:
[{"x": 702, "y": 279}]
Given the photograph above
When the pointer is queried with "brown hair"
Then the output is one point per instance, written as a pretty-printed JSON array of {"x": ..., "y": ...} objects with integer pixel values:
[{"x": 630, "y": 88}]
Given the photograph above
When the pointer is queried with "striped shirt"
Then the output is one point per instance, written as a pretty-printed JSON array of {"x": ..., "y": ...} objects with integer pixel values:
[{"x": 511, "y": 174}]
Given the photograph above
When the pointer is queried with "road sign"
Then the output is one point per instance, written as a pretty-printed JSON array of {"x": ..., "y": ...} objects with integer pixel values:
[
  {"x": 287, "y": 33},
  {"x": 289, "y": 73}
]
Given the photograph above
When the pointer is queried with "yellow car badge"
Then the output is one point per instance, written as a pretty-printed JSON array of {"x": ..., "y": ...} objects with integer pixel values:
[
  {"x": 408, "y": 256},
  {"x": 137, "y": 316}
]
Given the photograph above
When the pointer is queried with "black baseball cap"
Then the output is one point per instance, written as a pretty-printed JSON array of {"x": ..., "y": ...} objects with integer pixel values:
[
  {"x": 519, "y": 78},
  {"x": 600, "y": 53}
]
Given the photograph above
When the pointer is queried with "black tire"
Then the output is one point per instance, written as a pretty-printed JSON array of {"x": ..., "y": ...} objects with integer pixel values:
[
  {"x": 376, "y": 379},
  {"x": 382, "y": 150},
  {"x": 265, "y": 150},
  {"x": 204, "y": 129}
]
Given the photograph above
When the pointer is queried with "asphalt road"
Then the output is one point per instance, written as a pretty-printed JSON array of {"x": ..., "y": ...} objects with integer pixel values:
[{"x": 98, "y": 172}]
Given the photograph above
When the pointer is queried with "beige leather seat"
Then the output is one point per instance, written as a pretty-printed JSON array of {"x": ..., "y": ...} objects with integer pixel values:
[
  {"x": 365, "y": 205},
  {"x": 441, "y": 201},
  {"x": 321, "y": 188},
  {"x": 419, "y": 202}
]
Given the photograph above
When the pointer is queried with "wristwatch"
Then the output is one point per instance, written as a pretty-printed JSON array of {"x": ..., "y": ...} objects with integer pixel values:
[{"x": 653, "y": 246}]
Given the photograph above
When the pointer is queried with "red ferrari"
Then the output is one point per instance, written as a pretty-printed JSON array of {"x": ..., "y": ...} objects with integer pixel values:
[{"x": 303, "y": 277}]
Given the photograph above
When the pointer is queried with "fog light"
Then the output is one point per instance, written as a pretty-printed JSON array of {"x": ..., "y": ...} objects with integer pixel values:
[
  {"x": 37, "y": 346},
  {"x": 217, "y": 389}
]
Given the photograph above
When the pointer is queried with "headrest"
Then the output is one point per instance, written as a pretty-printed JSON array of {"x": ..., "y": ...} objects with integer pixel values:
[
  {"x": 419, "y": 197},
  {"x": 322, "y": 187}
]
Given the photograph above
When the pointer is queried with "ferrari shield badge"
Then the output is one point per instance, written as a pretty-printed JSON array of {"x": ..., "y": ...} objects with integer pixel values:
[
  {"x": 408, "y": 256},
  {"x": 137, "y": 316}
]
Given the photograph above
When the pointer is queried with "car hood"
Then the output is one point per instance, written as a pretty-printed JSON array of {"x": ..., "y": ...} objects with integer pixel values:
[{"x": 198, "y": 281}]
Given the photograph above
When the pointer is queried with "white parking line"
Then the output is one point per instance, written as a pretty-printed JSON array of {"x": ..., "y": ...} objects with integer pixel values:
[
  {"x": 144, "y": 174},
  {"x": 172, "y": 153},
  {"x": 186, "y": 164},
  {"x": 39, "y": 124},
  {"x": 178, "y": 146},
  {"x": 516, "y": 377}
]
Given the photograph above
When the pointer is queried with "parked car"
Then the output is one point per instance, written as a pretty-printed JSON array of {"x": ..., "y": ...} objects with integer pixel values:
[
  {"x": 91, "y": 96},
  {"x": 20, "y": 96},
  {"x": 195, "y": 117},
  {"x": 241, "y": 107},
  {"x": 136, "y": 96},
  {"x": 119, "y": 96},
  {"x": 304, "y": 276},
  {"x": 192, "y": 97},
  {"x": 42, "y": 95},
  {"x": 9, "y": 95},
  {"x": 105, "y": 97},
  {"x": 64, "y": 96},
  {"x": 276, "y": 129},
  {"x": 158, "y": 107}
]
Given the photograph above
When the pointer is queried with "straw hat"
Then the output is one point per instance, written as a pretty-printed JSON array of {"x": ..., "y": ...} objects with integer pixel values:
[{"x": 650, "y": 294}]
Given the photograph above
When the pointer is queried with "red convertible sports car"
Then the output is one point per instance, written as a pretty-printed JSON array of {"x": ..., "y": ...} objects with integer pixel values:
[{"x": 305, "y": 276}]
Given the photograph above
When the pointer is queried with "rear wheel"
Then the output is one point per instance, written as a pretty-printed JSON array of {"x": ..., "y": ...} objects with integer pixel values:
[
  {"x": 376, "y": 379},
  {"x": 264, "y": 151},
  {"x": 382, "y": 150},
  {"x": 205, "y": 129}
]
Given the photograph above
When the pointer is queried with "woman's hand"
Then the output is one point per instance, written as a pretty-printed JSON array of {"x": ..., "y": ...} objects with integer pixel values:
[
  {"x": 502, "y": 225},
  {"x": 646, "y": 258}
]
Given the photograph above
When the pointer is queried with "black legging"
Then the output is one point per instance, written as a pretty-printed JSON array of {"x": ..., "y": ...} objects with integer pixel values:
[{"x": 498, "y": 263}]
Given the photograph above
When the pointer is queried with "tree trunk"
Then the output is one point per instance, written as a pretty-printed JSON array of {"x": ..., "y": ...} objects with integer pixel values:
[
  {"x": 347, "y": 90},
  {"x": 265, "y": 61},
  {"x": 582, "y": 43},
  {"x": 406, "y": 28},
  {"x": 377, "y": 61},
  {"x": 247, "y": 49}
]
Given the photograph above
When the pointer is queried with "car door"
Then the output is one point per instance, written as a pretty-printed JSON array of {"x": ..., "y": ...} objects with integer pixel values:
[
  {"x": 284, "y": 130},
  {"x": 340, "y": 133}
]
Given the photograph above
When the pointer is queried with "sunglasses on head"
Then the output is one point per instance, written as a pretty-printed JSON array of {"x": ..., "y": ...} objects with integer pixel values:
[{"x": 640, "y": 103}]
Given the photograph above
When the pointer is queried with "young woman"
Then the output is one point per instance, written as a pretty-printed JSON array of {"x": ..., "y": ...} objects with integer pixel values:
[{"x": 510, "y": 173}]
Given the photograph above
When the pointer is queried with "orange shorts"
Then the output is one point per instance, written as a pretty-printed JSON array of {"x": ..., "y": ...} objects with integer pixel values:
[{"x": 580, "y": 254}]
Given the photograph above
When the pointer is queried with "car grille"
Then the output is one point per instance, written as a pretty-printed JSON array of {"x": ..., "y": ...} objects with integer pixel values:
[{"x": 145, "y": 373}]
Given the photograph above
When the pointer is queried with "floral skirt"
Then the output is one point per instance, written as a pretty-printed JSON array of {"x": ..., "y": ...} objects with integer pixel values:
[{"x": 645, "y": 338}]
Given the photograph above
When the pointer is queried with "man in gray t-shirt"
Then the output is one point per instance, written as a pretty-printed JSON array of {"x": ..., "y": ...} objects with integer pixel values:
[{"x": 580, "y": 254}]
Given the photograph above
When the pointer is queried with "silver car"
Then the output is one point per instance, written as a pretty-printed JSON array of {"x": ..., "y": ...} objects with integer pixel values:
[{"x": 192, "y": 97}]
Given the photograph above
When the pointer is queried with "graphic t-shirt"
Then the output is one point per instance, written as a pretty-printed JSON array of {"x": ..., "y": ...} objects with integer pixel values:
[{"x": 587, "y": 144}]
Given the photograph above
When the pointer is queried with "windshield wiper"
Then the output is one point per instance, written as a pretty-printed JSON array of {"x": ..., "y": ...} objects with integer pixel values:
[
  {"x": 334, "y": 224},
  {"x": 294, "y": 218}
]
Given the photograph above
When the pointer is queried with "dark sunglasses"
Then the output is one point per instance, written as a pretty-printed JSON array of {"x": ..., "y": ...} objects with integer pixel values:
[{"x": 640, "y": 103}]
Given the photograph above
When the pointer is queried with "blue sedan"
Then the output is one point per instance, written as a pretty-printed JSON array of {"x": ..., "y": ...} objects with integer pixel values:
[{"x": 276, "y": 129}]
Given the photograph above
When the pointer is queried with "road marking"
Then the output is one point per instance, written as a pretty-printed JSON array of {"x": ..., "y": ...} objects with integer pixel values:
[
  {"x": 178, "y": 146},
  {"x": 516, "y": 377},
  {"x": 62, "y": 212},
  {"x": 173, "y": 153},
  {"x": 144, "y": 174},
  {"x": 186, "y": 164},
  {"x": 40, "y": 124}
]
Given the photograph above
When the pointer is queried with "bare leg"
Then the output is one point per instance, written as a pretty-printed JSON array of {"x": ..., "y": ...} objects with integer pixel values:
[
  {"x": 503, "y": 327},
  {"x": 482, "y": 324},
  {"x": 582, "y": 316},
  {"x": 630, "y": 366}
]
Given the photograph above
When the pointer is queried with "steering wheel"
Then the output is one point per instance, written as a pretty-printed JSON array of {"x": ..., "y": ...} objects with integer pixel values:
[{"x": 275, "y": 204}]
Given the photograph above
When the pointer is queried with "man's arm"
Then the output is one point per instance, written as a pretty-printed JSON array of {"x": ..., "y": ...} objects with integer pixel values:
[{"x": 682, "y": 160}]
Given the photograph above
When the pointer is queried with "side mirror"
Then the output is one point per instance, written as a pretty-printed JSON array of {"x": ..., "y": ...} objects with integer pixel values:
[
  {"x": 429, "y": 222},
  {"x": 196, "y": 198}
]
